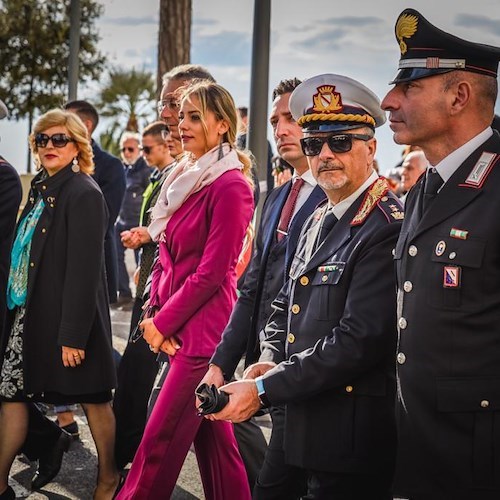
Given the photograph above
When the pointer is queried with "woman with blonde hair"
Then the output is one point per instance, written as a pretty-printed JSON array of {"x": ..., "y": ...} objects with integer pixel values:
[
  {"x": 200, "y": 219},
  {"x": 58, "y": 346}
]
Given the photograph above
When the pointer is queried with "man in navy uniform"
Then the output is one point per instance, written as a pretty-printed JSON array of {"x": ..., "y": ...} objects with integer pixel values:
[
  {"x": 448, "y": 267},
  {"x": 329, "y": 344}
]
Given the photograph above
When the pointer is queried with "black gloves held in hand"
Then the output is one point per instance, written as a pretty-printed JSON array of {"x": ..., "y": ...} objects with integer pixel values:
[{"x": 212, "y": 400}]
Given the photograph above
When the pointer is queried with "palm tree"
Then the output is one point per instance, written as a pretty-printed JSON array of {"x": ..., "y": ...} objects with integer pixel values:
[
  {"x": 128, "y": 96},
  {"x": 174, "y": 36}
]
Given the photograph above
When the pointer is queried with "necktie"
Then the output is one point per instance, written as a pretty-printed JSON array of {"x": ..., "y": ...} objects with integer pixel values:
[
  {"x": 329, "y": 220},
  {"x": 288, "y": 208},
  {"x": 433, "y": 181}
]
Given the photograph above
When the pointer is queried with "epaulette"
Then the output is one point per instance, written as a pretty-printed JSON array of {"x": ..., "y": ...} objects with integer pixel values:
[{"x": 375, "y": 193}]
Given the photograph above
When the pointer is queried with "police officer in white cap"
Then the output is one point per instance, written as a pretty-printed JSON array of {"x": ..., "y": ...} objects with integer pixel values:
[
  {"x": 448, "y": 267},
  {"x": 329, "y": 345}
]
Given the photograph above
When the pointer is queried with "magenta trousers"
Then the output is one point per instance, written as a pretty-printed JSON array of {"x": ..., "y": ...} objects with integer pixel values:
[{"x": 171, "y": 429}]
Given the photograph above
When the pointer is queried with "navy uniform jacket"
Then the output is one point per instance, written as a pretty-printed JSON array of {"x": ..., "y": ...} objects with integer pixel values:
[
  {"x": 448, "y": 267},
  {"x": 334, "y": 324},
  {"x": 10, "y": 198},
  {"x": 110, "y": 176},
  {"x": 264, "y": 279}
]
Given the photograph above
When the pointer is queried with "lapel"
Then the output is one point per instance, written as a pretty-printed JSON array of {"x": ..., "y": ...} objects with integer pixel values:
[
  {"x": 455, "y": 194},
  {"x": 316, "y": 197},
  {"x": 274, "y": 216}
]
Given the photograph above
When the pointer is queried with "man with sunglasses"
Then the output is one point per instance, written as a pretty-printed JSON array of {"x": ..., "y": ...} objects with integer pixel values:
[
  {"x": 137, "y": 180},
  {"x": 328, "y": 347}
]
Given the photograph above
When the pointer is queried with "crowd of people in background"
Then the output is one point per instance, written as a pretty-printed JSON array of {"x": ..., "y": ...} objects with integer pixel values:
[{"x": 337, "y": 346}]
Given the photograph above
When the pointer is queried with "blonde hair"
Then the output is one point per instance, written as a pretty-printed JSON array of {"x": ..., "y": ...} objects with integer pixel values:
[
  {"x": 76, "y": 130},
  {"x": 215, "y": 98}
]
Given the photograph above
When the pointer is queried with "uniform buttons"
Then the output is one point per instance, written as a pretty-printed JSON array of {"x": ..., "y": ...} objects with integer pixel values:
[
  {"x": 408, "y": 286},
  {"x": 348, "y": 388},
  {"x": 401, "y": 358},
  {"x": 44, "y": 187},
  {"x": 413, "y": 250},
  {"x": 453, "y": 255},
  {"x": 51, "y": 205},
  {"x": 324, "y": 278},
  {"x": 291, "y": 338},
  {"x": 44, "y": 230},
  {"x": 485, "y": 403},
  {"x": 385, "y": 198},
  {"x": 32, "y": 264},
  {"x": 296, "y": 309},
  {"x": 304, "y": 281},
  {"x": 402, "y": 323}
]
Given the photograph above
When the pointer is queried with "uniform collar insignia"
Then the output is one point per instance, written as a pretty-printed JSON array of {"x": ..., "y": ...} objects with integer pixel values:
[{"x": 375, "y": 192}]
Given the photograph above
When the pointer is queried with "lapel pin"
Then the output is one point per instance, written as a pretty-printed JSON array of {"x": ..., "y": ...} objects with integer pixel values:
[{"x": 440, "y": 248}]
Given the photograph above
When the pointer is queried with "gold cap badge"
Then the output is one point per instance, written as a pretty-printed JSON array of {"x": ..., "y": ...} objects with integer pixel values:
[
  {"x": 406, "y": 27},
  {"x": 327, "y": 100}
]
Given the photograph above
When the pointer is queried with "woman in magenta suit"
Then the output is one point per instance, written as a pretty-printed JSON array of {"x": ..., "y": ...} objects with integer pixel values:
[{"x": 200, "y": 220}]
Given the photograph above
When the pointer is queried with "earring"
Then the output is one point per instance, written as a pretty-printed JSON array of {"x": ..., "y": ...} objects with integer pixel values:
[
  {"x": 75, "y": 167},
  {"x": 221, "y": 151}
]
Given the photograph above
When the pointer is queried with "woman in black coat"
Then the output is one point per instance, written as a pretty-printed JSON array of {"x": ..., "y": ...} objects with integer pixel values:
[{"x": 59, "y": 341}]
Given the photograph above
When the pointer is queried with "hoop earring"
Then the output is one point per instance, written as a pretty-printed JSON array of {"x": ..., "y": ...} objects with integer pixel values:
[
  {"x": 75, "y": 167},
  {"x": 221, "y": 151}
]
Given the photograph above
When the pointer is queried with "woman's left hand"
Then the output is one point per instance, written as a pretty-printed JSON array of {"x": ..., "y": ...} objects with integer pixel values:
[
  {"x": 152, "y": 335},
  {"x": 72, "y": 357}
]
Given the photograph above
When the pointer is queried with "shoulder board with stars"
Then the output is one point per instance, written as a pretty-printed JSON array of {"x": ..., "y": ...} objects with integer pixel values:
[{"x": 374, "y": 194}]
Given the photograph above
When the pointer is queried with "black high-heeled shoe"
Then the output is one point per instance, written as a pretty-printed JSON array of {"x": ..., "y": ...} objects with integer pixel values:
[{"x": 8, "y": 494}]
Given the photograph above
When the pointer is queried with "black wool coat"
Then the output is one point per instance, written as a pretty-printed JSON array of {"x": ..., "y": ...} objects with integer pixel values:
[{"x": 67, "y": 302}]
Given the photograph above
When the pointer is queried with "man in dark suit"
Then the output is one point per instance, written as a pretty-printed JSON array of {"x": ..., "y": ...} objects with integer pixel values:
[
  {"x": 448, "y": 267},
  {"x": 265, "y": 277},
  {"x": 110, "y": 176},
  {"x": 329, "y": 344}
]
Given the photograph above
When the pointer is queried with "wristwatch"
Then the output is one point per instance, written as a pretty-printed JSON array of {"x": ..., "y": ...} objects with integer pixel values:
[{"x": 261, "y": 391}]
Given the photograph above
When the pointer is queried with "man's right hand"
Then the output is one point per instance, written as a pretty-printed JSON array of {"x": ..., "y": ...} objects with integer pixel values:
[{"x": 258, "y": 369}]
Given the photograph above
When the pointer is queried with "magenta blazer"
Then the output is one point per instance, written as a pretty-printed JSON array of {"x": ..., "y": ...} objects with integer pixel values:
[{"x": 194, "y": 279}]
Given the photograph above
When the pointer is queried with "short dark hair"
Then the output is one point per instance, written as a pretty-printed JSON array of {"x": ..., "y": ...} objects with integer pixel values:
[
  {"x": 286, "y": 86},
  {"x": 155, "y": 129},
  {"x": 84, "y": 110},
  {"x": 243, "y": 111},
  {"x": 188, "y": 72}
]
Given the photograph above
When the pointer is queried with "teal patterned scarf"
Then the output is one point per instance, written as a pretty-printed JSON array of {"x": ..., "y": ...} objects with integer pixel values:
[{"x": 17, "y": 287}]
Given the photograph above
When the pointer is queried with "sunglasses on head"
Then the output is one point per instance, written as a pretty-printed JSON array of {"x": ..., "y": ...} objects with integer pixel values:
[
  {"x": 58, "y": 140},
  {"x": 128, "y": 149},
  {"x": 312, "y": 146}
]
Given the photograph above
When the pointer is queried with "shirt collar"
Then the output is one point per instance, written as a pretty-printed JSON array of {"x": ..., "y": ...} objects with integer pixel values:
[
  {"x": 342, "y": 206},
  {"x": 447, "y": 166},
  {"x": 307, "y": 176}
]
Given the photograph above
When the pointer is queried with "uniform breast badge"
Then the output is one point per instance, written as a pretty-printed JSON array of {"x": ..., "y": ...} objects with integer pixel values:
[
  {"x": 451, "y": 277},
  {"x": 440, "y": 248}
]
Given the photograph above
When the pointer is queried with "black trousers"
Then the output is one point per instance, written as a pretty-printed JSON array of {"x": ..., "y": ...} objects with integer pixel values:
[
  {"x": 136, "y": 374},
  {"x": 42, "y": 435},
  {"x": 334, "y": 486},
  {"x": 277, "y": 480}
]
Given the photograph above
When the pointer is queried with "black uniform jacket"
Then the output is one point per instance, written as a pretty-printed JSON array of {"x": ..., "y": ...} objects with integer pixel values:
[
  {"x": 448, "y": 265},
  {"x": 10, "y": 198},
  {"x": 334, "y": 325},
  {"x": 67, "y": 301},
  {"x": 265, "y": 277}
]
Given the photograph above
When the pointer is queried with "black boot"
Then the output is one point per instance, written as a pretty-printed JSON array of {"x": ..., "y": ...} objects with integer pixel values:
[{"x": 50, "y": 463}]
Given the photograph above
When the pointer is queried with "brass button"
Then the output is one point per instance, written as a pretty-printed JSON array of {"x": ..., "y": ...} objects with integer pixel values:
[
  {"x": 324, "y": 278},
  {"x": 44, "y": 187},
  {"x": 51, "y": 205},
  {"x": 32, "y": 264},
  {"x": 413, "y": 250},
  {"x": 401, "y": 358},
  {"x": 408, "y": 286},
  {"x": 485, "y": 403},
  {"x": 296, "y": 309},
  {"x": 304, "y": 281},
  {"x": 291, "y": 338},
  {"x": 348, "y": 388},
  {"x": 44, "y": 230},
  {"x": 453, "y": 255},
  {"x": 402, "y": 323}
]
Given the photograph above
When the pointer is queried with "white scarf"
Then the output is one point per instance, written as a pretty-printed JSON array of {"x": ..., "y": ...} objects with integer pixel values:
[{"x": 186, "y": 179}]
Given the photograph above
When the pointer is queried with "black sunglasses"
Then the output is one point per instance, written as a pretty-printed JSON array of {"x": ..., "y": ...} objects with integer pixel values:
[
  {"x": 130, "y": 150},
  {"x": 148, "y": 149},
  {"x": 58, "y": 140},
  {"x": 312, "y": 146}
]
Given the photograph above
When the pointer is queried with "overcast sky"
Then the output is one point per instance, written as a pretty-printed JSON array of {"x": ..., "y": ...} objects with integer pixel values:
[{"x": 354, "y": 38}]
